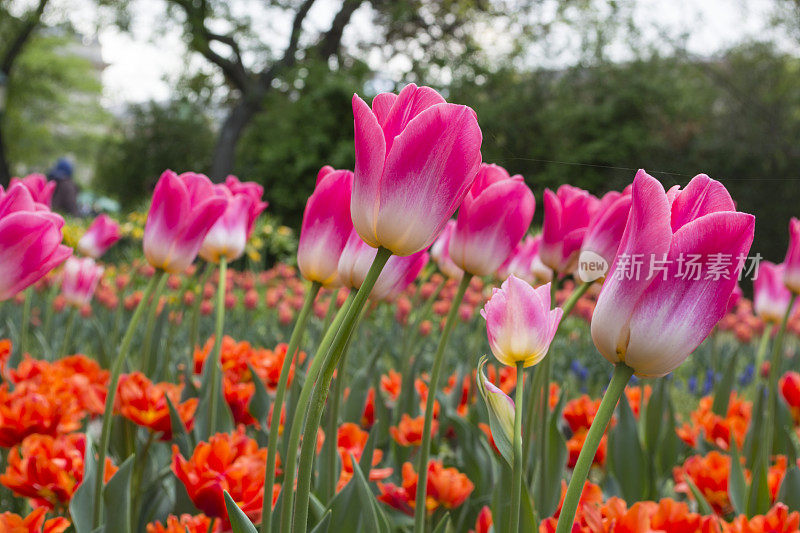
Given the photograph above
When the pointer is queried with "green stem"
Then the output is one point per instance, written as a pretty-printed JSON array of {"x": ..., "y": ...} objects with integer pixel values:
[
  {"x": 195, "y": 328},
  {"x": 544, "y": 373},
  {"x": 574, "y": 297},
  {"x": 216, "y": 354},
  {"x": 622, "y": 374},
  {"x": 516, "y": 479},
  {"x": 329, "y": 314},
  {"x": 277, "y": 405},
  {"x": 150, "y": 326},
  {"x": 116, "y": 369},
  {"x": 322, "y": 388},
  {"x": 295, "y": 430},
  {"x": 762, "y": 348},
  {"x": 68, "y": 329},
  {"x": 774, "y": 374},
  {"x": 420, "y": 508},
  {"x": 26, "y": 319},
  {"x": 48, "y": 314}
]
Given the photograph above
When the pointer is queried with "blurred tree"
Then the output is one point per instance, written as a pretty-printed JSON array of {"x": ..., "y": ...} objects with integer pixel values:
[{"x": 148, "y": 139}]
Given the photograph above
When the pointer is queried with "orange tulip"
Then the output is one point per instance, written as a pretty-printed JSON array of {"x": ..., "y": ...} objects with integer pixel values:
[
  {"x": 447, "y": 487},
  {"x": 145, "y": 403},
  {"x": 409, "y": 431},
  {"x": 185, "y": 524},
  {"x": 33, "y": 523}
]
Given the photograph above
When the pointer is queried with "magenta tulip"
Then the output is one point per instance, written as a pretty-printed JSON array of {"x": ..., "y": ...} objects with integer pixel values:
[
  {"x": 676, "y": 267},
  {"x": 399, "y": 272},
  {"x": 416, "y": 157},
  {"x": 101, "y": 235},
  {"x": 496, "y": 213},
  {"x": 326, "y": 226},
  {"x": 79, "y": 280},
  {"x": 567, "y": 214},
  {"x": 252, "y": 190},
  {"x": 771, "y": 298},
  {"x": 791, "y": 275},
  {"x": 39, "y": 186},
  {"x": 520, "y": 323},
  {"x": 183, "y": 210},
  {"x": 440, "y": 252},
  {"x": 30, "y": 241},
  {"x": 228, "y": 236},
  {"x": 603, "y": 234}
]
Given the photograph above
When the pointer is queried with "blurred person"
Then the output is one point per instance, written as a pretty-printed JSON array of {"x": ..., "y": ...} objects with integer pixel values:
[{"x": 65, "y": 196}]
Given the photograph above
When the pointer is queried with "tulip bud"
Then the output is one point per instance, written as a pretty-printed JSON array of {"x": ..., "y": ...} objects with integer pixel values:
[
  {"x": 101, "y": 235},
  {"x": 79, "y": 280},
  {"x": 501, "y": 413},
  {"x": 791, "y": 276},
  {"x": 771, "y": 298}
]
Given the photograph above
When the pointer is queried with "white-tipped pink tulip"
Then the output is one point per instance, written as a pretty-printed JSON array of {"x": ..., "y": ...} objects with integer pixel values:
[
  {"x": 791, "y": 274},
  {"x": 182, "y": 212},
  {"x": 440, "y": 252},
  {"x": 567, "y": 213},
  {"x": 520, "y": 323},
  {"x": 496, "y": 213},
  {"x": 771, "y": 298},
  {"x": 326, "y": 226},
  {"x": 79, "y": 279},
  {"x": 672, "y": 278},
  {"x": 416, "y": 157},
  {"x": 101, "y": 235}
]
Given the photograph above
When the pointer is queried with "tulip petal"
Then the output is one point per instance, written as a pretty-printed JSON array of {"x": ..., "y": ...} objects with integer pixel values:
[
  {"x": 647, "y": 234},
  {"x": 370, "y": 154},
  {"x": 427, "y": 174},
  {"x": 411, "y": 101},
  {"x": 701, "y": 197},
  {"x": 381, "y": 105},
  {"x": 678, "y": 313}
]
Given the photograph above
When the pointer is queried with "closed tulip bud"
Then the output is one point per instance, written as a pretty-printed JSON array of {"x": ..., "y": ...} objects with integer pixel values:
[
  {"x": 440, "y": 252},
  {"x": 79, "y": 280},
  {"x": 326, "y": 226},
  {"x": 771, "y": 298},
  {"x": 567, "y": 213},
  {"x": 40, "y": 188},
  {"x": 791, "y": 274},
  {"x": 603, "y": 235},
  {"x": 30, "y": 241},
  {"x": 416, "y": 157},
  {"x": 101, "y": 235},
  {"x": 182, "y": 212},
  {"x": 501, "y": 413},
  {"x": 496, "y": 213},
  {"x": 228, "y": 235},
  {"x": 520, "y": 323},
  {"x": 653, "y": 317}
]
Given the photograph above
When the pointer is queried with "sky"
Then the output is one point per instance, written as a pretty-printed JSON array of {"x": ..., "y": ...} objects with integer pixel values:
[{"x": 142, "y": 63}]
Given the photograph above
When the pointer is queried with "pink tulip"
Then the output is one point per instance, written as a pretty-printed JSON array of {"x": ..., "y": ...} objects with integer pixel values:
[
  {"x": 520, "y": 323},
  {"x": 30, "y": 241},
  {"x": 38, "y": 185},
  {"x": 228, "y": 236},
  {"x": 771, "y": 298},
  {"x": 440, "y": 252},
  {"x": 567, "y": 214},
  {"x": 604, "y": 233},
  {"x": 399, "y": 272},
  {"x": 252, "y": 190},
  {"x": 326, "y": 226},
  {"x": 791, "y": 275},
  {"x": 79, "y": 280},
  {"x": 496, "y": 213},
  {"x": 416, "y": 157},
  {"x": 525, "y": 263},
  {"x": 653, "y": 316},
  {"x": 100, "y": 236},
  {"x": 182, "y": 212}
]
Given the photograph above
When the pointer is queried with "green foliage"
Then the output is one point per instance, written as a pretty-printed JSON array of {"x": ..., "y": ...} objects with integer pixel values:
[{"x": 153, "y": 137}]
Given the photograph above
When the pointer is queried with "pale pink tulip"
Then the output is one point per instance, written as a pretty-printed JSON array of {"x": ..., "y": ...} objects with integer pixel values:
[
  {"x": 496, "y": 213},
  {"x": 416, "y": 157},
  {"x": 39, "y": 186},
  {"x": 525, "y": 263},
  {"x": 79, "y": 279},
  {"x": 399, "y": 272},
  {"x": 182, "y": 212},
  {"x": 101, "y": 235},
  {"x": 567, "y": 213},
  {"x": 30, "y": 241},
  {"x": 653, "y": 317},
  {"x": 791, "y": 275},
  {"x": 520, "y": 323},
  {"x": 440, "y": 252},
  {"x": 771, "y": 298},
  {"x": 326, "y": 226}
]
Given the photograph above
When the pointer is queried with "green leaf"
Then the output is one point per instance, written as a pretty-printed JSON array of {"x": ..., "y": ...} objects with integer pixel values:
[
  {"x": 443, "y": 525},
  {"x": 702, "y": 503},
  {"x": 260, "y": 402},
  {"x": 789, "y": 492},
  {"x": 722, "y": 392},
  {"x": 324, "y": 524},
  {"x": 239, "y": 521},
  {"x": 654, "y": 417},
  {"x": 117, "y": 498},
  {"x": 628, "y": 462},
  {"x": 81, "y": 507},
  {"x": 180, "y": 435},
  {"x": 737, "y": 485},
  {"x": 556, "y": 461},
  {"x": 758, "y": 500},
  {"x": 372, "y": 516}
]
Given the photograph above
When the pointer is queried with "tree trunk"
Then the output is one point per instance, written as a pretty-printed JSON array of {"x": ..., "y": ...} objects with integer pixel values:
[
  {"x": 231, "y": 131},
  {"x": 5, "y": 171}
]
